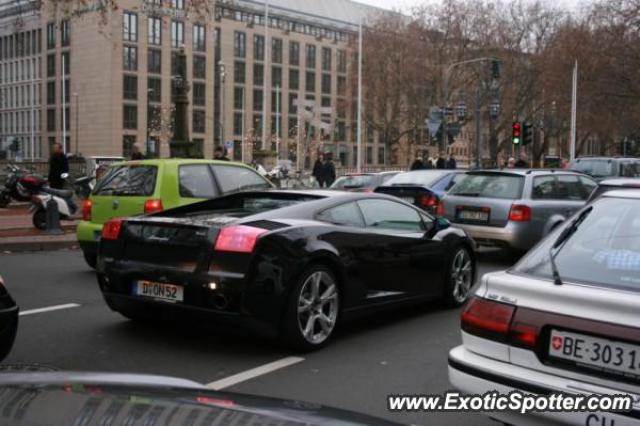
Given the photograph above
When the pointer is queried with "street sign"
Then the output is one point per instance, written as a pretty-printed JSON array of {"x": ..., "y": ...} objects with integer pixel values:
[
  {"x": 433, "y": 127},
  {"x": 228, "y": 144}
]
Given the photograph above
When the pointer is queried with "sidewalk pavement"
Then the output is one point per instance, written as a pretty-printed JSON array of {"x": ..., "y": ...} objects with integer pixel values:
[{"x": 18, "y": 234}]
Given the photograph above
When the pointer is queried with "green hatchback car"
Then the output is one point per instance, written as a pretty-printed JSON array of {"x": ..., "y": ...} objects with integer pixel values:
[{"x": 133, "y": 188}]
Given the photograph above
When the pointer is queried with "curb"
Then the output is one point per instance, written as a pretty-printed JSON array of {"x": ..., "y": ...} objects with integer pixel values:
[{"x": 20, "y": 244}]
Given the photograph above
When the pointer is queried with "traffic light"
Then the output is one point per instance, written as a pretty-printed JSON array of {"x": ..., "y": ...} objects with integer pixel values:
[
  {"x": 516, "y": 133},
  {"x": 527, "y": 133},
  {"x": 495, "y": 69}
]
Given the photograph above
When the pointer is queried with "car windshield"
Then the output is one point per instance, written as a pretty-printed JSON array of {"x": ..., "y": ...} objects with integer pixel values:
[
  {"x": 595, "y": 168},
  {"x": 132, "y": 180},
  {"x": 603, "y": 251},
  {"x": 489, "y": 185},
  {"x": 353, "y": 181},
  {"x": 421, "y": 177}
]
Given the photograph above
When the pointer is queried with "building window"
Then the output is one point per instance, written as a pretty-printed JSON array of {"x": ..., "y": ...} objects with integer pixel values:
[
  {"x": 51, "y": 65},
  {"x": 239, "y": 44},
  {"x": 369, "y": 155},
  {"x": 199, "y": 66},
  {"x": 64, "y": 33},
  {"x": 238, "y": 95},
  {"x": 130, "y": 117},
  {"x": 177, "y": 4},
  {"x": 258, "y": 74},
  {"x": 258, "y": 47},
  {"x": 342, "y": 61},
  {"x": 294, "y": 79},
  {"x": 51, "y": 93},
  {"x": 257, "y": 100},
  {"x": 127, "y": 145},
  {"x": 66, "y": 63},
  {"x": 130, "y": 58},
  {"x": 155, "y": 30},
  {"x": 326, "y": 83},
  {"x": 67, "y": 120},
  {"x": 237, "y": 123},
  {"x": 130, "y": 87},
  {"x": 177, "y": 34},
  {"x": 311, "y": 56},
  {"x": 342, "y": 85},
  {"x": 154, "y": 89},
  {"x": 381, "y": 159},
  {"x": 130, "y": 27},
  {"x": 239, "y": 72},
  {"x": 154, "y": 59},
  {"x": 294, "y": 53},
  {"x": 276, "y": 50},
  {"x": 276, "y": 77},
  {"x": 199, "y": 94},
  {"x": 341, "y": 131},
  {"x": 310, "y": 81},
  {"x": 326, "y": 59},
  {"x": 51, "y": 120},
  {"x": 199, "y": 38},
  {"x": 198, "y": 121},
  {"x": 293, "y": 108},
  {"x": 175, "y": 63},
  {"x": 51, "y": 36}
]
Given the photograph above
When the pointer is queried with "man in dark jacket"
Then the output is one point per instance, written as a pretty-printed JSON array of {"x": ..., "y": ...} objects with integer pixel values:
[
  {"x": 451, "y": 163},
  {"x": 318, "y": 170},
  {"x": 441, "y": 163},
  {"x": 58, "y": 165},
  {"x": 417, "y": 164},
  {"x": 136, "y": 154},
  {"x": 220, "y": 154},
  {"x": 523, "y": 162},
  {"x": 329, "y": 171}
]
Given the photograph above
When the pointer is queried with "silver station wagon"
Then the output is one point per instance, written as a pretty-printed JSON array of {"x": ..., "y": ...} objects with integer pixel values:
[{"x": 514, "y": 208}]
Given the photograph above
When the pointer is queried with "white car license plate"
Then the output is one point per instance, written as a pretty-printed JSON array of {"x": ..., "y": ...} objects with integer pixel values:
[
  {"x": 408, "y": 199},
  {"x": 479, "y": 216},
  {"x": 170, "y": 292},
  {"x": 595, "y": 352}
]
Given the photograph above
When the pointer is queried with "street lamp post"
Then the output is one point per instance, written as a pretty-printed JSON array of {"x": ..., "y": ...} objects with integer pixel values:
[
  {"x": 223, "y": 74},
  {"x": 148, "y": 131},
  {"x": 76, "y": 98}
]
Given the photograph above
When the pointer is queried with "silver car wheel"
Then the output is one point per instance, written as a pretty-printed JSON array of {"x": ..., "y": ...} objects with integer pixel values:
[
  {"x": 461, "y": 275},
  {"x": 317, "y": 307}
]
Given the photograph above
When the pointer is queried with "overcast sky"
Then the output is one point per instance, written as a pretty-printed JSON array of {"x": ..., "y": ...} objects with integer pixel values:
[{"x": 405, "y": 5}]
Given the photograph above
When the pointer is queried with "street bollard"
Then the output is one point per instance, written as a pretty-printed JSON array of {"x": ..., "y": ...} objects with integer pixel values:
[{"x": 53, "y": 218}]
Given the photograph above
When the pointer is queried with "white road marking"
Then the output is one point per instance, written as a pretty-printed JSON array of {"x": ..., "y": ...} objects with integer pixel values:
[
  {"x": 253, "y": 373},
  {"x": 49, "y": 309}
]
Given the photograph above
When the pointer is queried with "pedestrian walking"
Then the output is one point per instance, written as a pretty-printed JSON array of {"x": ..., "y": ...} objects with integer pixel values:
[
  {"x": 135, "y": 152},
  {"x": 451, "y": 163},
  {"x": 329, "y": 170},
  {"x": 58, "y": 164},
  {"x": 318, "y": 170},
  {"x": 441, "y": 163},
  {"x": 511, "y": 163},
  {"x": 523, "y": 162},
  {"x": 417, "y": 164},
  {"x": 220, "y": 154}
]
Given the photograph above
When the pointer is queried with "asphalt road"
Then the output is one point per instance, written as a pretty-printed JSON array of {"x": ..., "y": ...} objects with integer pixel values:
[{"x": 395, "y": 353}]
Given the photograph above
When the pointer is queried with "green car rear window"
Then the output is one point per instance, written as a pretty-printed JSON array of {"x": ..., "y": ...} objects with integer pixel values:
[{"x": 132, "y": 180}]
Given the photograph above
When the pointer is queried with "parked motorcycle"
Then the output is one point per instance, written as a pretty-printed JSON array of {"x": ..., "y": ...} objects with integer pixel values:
[
  {"x": 19, "y": 185},
  {"x": 63, "y": 199},
  {"x": 83, "y": 186}
]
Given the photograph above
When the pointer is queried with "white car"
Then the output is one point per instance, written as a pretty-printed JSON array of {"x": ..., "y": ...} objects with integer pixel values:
[{"x": 566, "y": 318}]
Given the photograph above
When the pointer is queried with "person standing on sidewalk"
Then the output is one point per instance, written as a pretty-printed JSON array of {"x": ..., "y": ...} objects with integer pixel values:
[
  {"x": 318, "y": 171},
  {"x": 58, "y": 164},
  {"x": 136, "y": 154},
  {"x": 329, "y": 170}
]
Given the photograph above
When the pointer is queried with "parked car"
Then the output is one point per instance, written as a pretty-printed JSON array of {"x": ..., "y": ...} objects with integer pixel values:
[
  {"x": 283, "y": 262},
  {"x": 614, "y": 184},
  {"x": 141, "y": 187},
  {"x": 607, "y": 167},
  {"x": 66, "y": 398},
  {"x": 8, "y": 320},
  {"x": 514, "y": 208},
  {"x": 564, "y": 319},
  {"x": 362, "y": 182},
  {"x": 423, "y": 188}
]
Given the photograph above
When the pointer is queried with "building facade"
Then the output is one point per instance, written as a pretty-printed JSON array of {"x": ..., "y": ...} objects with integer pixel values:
[{"x": 102, "y": 79}]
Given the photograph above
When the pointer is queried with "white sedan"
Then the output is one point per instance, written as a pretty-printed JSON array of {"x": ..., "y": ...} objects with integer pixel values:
[{"x": 566, "y": 318}]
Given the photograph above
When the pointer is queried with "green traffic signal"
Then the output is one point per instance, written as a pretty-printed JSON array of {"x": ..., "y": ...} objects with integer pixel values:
[{"x": 516, "y": 141}]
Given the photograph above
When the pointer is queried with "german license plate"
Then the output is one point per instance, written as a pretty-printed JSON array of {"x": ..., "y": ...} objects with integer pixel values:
[
  {"x": 475, "y": 215},
  {"x": 595, "y": 352},
  {"x": 169, "y": 292},
  {"x": 408, "y": 199}
]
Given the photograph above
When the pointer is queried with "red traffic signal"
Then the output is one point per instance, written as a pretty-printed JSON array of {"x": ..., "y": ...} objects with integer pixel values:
[{"x": 516, "y": 132}]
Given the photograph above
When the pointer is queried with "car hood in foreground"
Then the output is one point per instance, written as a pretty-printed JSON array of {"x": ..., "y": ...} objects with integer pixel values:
[{"x": 115, "y": 399}]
